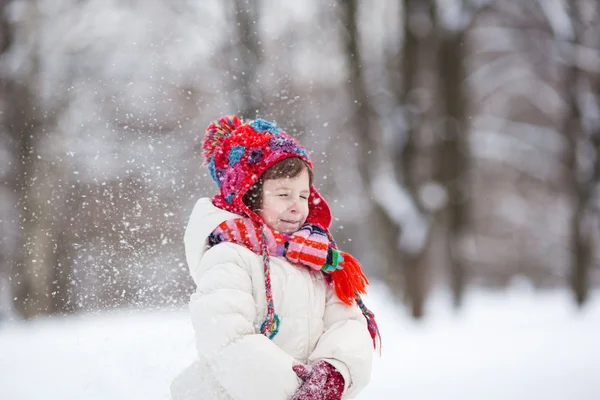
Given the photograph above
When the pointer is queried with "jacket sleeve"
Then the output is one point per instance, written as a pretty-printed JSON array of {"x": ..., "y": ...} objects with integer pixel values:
[
  {"x": 247, "y": 364},
  {"x": 346, "y": 344}
]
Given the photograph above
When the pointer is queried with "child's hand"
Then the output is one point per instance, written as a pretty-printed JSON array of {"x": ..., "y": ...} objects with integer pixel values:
[
  {"x": 321, "y": 382},
  {"x": 308, "y": 246}
]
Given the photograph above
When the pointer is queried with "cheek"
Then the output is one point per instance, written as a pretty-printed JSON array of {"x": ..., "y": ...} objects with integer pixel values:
[
  {"x": 305, "y": 209},
  {"x": 272, "y": 208}
]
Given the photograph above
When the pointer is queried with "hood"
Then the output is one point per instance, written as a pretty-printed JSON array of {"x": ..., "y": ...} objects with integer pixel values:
[{"x": 203, "y": 221}]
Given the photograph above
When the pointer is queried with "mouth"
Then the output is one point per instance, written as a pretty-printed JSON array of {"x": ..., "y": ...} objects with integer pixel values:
[{"x": 285, "y": 221}]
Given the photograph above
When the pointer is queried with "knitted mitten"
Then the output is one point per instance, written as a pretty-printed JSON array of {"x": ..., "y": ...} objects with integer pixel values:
[
  {"x": 321, "y": 382},
  {"x": 309, "y": 246}
]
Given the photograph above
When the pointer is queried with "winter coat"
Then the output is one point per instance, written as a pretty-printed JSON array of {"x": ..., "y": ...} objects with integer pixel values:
[{"x": 235, "y": 361}]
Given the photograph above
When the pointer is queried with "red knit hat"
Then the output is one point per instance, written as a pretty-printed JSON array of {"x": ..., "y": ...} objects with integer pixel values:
[{"x": 237, "y": 154}]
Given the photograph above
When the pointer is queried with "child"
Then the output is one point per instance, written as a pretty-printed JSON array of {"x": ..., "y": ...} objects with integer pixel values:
[{"x": 277, "y": 311}]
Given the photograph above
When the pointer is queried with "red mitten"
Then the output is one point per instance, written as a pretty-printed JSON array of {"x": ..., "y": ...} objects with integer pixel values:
[
  {"x": 334, "y": 387},
  {"x": 303, "y": 371},
  {"x": 321, "y": 382}
]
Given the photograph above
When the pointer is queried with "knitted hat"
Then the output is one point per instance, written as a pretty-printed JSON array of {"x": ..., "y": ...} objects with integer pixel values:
[{"x": 237, "y": 154}]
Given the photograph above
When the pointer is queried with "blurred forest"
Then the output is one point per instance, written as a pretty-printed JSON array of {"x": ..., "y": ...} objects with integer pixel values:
[{"x": 456, "y": 141}]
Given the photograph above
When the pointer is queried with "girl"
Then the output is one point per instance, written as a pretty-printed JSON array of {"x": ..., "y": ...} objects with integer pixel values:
[{"x": 277, "y": 311}]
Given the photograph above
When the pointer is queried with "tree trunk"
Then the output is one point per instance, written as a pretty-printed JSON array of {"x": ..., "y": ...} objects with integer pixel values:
[
  {"x": 249, "y": 50},
  {"x": 416, "y": 50},
  {"x": 382, "y": 229},
  {"x": 6, "y": 39},
  {"x": 581, "y": 253},
  {"x": 32, "y": 265},
  {"x": 581, "y": 187},
  {"x": 39, "y": 238},
  {"x": 410, "y": 62},
  {"x": 452, "y": 159}
]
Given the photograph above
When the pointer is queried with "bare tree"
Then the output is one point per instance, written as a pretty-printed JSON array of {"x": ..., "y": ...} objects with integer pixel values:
[
  {"x": 404, "y": 267},
  {"x": 452, "y": 161},
  {"x": 35, "y": 179},
  {"x": 248, "y": 52},
  {"x": 582, "y": 181},
  {"x": 382, "y": 229},
  {"x": 30, "y": 275},
  {"x": 434, "y": 46},
  {"x": 418, "y": 48},
  {"x": 5, "y": 43},
  {"x": 561, "y": 33}
]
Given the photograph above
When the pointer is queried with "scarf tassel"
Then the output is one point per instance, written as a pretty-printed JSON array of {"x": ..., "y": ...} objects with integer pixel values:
[
  {"x": 371, "y": 324},
  {"x": 349, "y": 281},
  {"x": 374, "y": 331}
]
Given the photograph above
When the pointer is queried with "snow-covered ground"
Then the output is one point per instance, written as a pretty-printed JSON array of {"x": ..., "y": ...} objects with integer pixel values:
[{"x": 503, "y": 345}]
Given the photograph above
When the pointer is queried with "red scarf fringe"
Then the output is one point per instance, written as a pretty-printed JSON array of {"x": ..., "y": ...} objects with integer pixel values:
[{"x": 350, "y": 280}]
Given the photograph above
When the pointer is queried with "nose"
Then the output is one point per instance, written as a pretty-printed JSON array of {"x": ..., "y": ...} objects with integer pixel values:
[{"x": 294, "y": 207}]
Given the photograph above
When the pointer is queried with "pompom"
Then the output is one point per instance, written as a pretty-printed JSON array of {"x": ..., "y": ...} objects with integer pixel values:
[{"x": 216, "y": 132}]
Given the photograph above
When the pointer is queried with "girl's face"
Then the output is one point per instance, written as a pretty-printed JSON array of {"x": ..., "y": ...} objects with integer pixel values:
[{"x": 285, "y": 202}]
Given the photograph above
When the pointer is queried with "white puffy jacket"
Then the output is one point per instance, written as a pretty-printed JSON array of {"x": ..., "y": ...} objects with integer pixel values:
[{"x": 235, "y": 361}]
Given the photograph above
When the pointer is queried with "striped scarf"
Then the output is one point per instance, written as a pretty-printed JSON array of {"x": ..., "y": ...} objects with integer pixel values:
[{"x": 310, "y": 246}]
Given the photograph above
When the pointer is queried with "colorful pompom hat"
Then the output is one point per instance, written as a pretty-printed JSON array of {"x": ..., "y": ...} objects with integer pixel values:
[{"x": 237, "y": 154}]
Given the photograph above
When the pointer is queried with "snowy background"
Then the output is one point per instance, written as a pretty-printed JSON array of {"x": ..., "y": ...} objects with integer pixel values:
[
  {"x": 513, "y": 344},
  {"x": 456, "y": 141}
]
